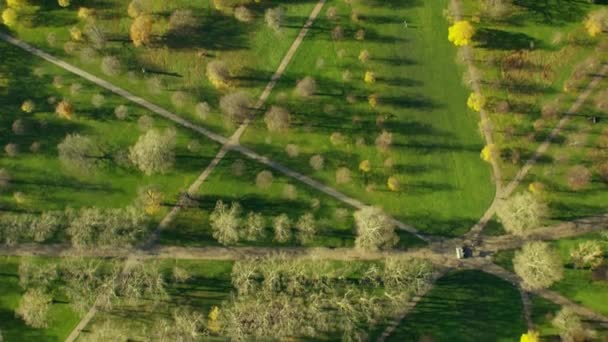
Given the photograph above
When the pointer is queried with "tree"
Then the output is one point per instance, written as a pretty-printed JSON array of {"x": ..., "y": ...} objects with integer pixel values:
[
  {"x": 587, "y": 254},
  {"x": 202, "y": 110},
  {"x": 135, "y": 9},
  {"x": 282, "y": 228},
  {"x": 79, "y": 153},
  {"x": 306, "y": 87},
  {"x": 18, "y": 127},
  {"x": 497, "y": 9},
  {"x": 476, "y": 101},
  {"x": 521, "y": 212},
  {"x": 111, "y": 66},
  {"x": 182, "y": 22},
  {"x": 86, "y": 13},
  {"x": 154, "y": 152},
  {"x": 306, "y": 227},
  {"x": 316, "y": 162},
  {"x": 150, "y": 199},
  {"x": 236, "y": 106},
  {"x": 393, "y": 184},
  {"x": 274, "y": 18},
  {"x": 34, "y": 308},
  {"x": 370, "y": 77},
  {"x": 9, "y": 17},
  {"x": 461, "y": 33},
  {"x": 596, "y": 22},
  {"x": 375, "y": 230},
  {"x": 570, "y": 326},
  {"x": 538, "y": 265},
  {"x": 28, "y": 106},
  {"x": 489, "y": 153},
  {"x": 106, "y": 227},
  {"x": 343, "y": 175},
  {"x": 11, "y": 150},
  {"x": 65, "y": 110},
  {"x": 277, "y": 119},
  {"x": 225, "y": 222},
  {"x": 218, "y": 74},
  {"x": 141, "y": 30},
  {"x": 180, "y": 274},
  {"x": 121, "y": 112},
  {"x": 578, "y": 177},
  {"x": 254, "y": 226},
  {"x": 365, "y": 166},
  {"x": 243, "y": 14},
  {"x": 264, "y": 179},
  {"x": 63, "y": 3},
  {"x": 384, "y": 141},
  {"x": 530, "y": 336},
  {"x": 364, "y": 56}
]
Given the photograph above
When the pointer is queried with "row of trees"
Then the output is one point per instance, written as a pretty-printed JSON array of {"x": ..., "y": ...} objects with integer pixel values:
[
  {"x": 374, "y": 229},
  {"x": 86, "y": 227},
  {"x": 86, "y": 282},
  {"x": 282, "y": 298}
]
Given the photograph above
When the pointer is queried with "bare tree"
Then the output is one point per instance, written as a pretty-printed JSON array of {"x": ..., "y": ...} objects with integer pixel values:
[
  {"x": 579, "y": 177},
  {"x": 264, "y": 179},
  {"x": 317, "y": 162},
  {"x": 111, "y": 66},
  {"x": 521, "y": 212},
  {"x": 244, "y": 14},
  {"x": 384, "y": 141},
  {"x": 218, "y": 74},
  {"x": 307, "y": 227},
  {"x": 154, "y": 152},
  {"x": 277, "y": 119},
  {"x": 282, "y": 228},
  {"x": 79, "y": 153},
  {"x": 375, "y": 230},
  {"x": 254, "y": 226},
  {"x": 225, "y": 221},
  {"x": 236, "y": 106},
  {"x": 587, "y": 254},
  {"x": 34, "y": 308},
  {"x": 570, "y": 326},
  {"x": 274, "y": 18},
  {"x": 538, "y": 265},
  {"x": 306, "y": 87}
]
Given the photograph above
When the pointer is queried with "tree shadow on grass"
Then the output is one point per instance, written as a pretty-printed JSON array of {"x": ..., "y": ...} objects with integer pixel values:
[{"x": 494, "y": 39}]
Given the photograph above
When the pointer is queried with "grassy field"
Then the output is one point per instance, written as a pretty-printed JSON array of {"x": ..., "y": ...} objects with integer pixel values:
[
  {"x": 548, "y": 39},
  {"x": 465, "y": 306},
  {"x": 335, "y": 220},
  {"x": 252, "y": 51},
  {"x": 62, "y": 318},
  {"x": 40, "y": 176},
  {"x": 435, "y": 154}
]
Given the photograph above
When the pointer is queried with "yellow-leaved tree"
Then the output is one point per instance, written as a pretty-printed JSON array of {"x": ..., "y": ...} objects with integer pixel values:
[
  {"x": 461, "y": 33},
  {"x": 530, "y": 336},
  {"x": 365, "y": 166},
  {"x": 9, "y": 17},
  {"x": 213, "y": 322},
  {"x": 63, "y": 3},
  {"x": 393, "y": 183},
  {"x": 476, "y": 101},
  {"x": 596, "y": 22},
  {"x": 141, "y": 30},
  {"x": 489, "y": 152},
  {"x": 370, "y": 77}
]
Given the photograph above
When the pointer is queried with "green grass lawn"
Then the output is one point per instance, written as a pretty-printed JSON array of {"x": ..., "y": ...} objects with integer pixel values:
[
  {"x": 40, "y": 176},
  {"x": 335, "y": 220},
  {"x": 252, "y": 51},
  {"x": 436, "y": 144},
  {"x": 465, "y": 306},
  {"x": 62, "y": 318}
]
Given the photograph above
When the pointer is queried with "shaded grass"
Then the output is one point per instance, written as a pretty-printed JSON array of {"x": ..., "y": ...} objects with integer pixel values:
[{"x": 465, "y": 306}]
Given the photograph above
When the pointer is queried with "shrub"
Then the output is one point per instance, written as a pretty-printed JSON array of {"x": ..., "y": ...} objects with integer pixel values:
[
  {"x": 75, "y": 33},
  {"x": 596, "y": 22},
  {"x": 70, "y": 47},
  {"x": 360, "y": 34},
  {"x": 570, "y": 326},
  {"x": 254, "y": 226},
  {"x": 34, "y": 307},
  {"x": 155, "y": 85},
  {"x": 332, "y": 13},
  {"x": 370, "y": 77},
  {"x": 95, "y": 35},
  {"x": 75, "y": 88}
]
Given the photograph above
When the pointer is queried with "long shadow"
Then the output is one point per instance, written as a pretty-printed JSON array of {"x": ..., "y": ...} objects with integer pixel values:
[{"x": 503, "y": 40}]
